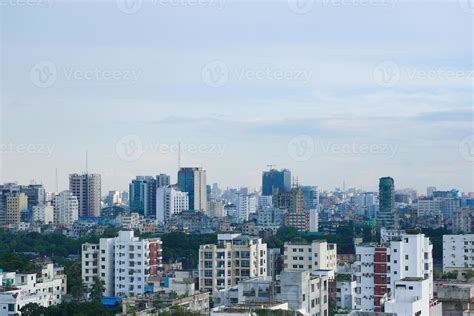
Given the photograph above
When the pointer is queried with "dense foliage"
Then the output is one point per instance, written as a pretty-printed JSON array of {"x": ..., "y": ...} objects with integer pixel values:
[{"x": 70, "y": 309}]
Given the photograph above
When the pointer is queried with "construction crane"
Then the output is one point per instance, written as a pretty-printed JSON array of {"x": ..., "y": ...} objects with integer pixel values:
[{"x": 271, "y": 167}]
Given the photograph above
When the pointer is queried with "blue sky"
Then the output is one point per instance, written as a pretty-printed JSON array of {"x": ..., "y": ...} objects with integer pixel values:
[{"x": 334, "y": 90}]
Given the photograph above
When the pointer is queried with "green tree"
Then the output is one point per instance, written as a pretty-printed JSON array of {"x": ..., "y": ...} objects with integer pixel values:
[{"x": 97, "y": 290}]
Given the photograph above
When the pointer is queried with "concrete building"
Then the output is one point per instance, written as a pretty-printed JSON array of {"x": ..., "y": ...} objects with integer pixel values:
[
  {"x": 458, "y": 252},
  {"x": 43, "y": 213},
  {"x": 345, "y": 291},
  {"x": 66, "y": 208},
  {"x": 87, "y": 188},
  {"x": 378, "y": 267},
  {"x": 270, "y": 217},
  {"x": 233, "y": 259},
  {"x": 123, "y": 263},
  {"x": 429, "y": 207},
  {"x": 304, "y": 292},
  {"x": 215, "y": 209},
  {"x": 274, "y": 262},
  {"x": 15, "y": 203},
  {"x": 411, "y": 297},
  {"x": 463, "y": 221},
  {"x": 170, "y": 202},
  {"x": 457, "y": 299},
  {"x": 17, "y": 290},
  {"x": 318, "y": 255},
  {"x": 193, "y": 181},
  {"x": 246, "y": 204}
]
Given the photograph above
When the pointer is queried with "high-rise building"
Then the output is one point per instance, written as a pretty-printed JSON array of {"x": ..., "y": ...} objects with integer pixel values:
[
  {"x": 35, "y": 193},
  {"x": 7, "y": 189},
  {"x": 193, "y": 181},
  {"x": 215, "y": 208},
  {"x": 16, "y": 202},
  {"x": 387, "y": 216},
  {"x": 318, "y": 255},
  {"x": 170, "y": 202},
  {"x": 162, "y": 180},
  {"x": 310, "y": 197},
  {"x": 246, "y": 204},
  {"x": 66, "y": 208},
  {"x": 380, "y": 266},
  {"x": 143, "y": 194},
  {"x": 274, "y": 179},
  {"x": 124, "y": 263},
  {"x": 235, "y": 258},
  {"x": 87, "y": 188},
  {"x": 43, "y": 213}
]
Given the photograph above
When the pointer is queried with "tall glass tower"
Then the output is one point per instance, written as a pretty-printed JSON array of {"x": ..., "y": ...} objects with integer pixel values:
[{"x": 387, "y": 216}]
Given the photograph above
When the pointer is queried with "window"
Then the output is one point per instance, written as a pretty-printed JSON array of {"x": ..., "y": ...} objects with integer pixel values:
[{"x": 406, "y": 268}]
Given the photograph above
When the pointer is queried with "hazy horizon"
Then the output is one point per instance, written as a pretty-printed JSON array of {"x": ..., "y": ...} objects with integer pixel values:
[{"x": 336, "y": 91}]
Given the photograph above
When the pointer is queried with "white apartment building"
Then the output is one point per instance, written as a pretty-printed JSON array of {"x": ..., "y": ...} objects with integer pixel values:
[
  {"x": 66, "y": 208},
  {"x": 235, "y": 258},
  {"x": 43, "y": 213},
  {"x": 170, "y": 202},
  {"x": 378, "y": 267},
  {"x": 458, "y": 252},
  {"x": 345, "y": 291},
  {"x": 245, "y": 205},
  {"x": 319, "y": 255},
  {"x": 123, "y": 263},
  {"x": 264, "y": 201},
  {"x": 18, "y": 289},
  {"x": 411, "y": 297},
  {"x": 305, "y": 293}
]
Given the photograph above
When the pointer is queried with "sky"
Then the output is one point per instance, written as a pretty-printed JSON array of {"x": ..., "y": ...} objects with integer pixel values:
[{"x": 334, "y": 90}]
